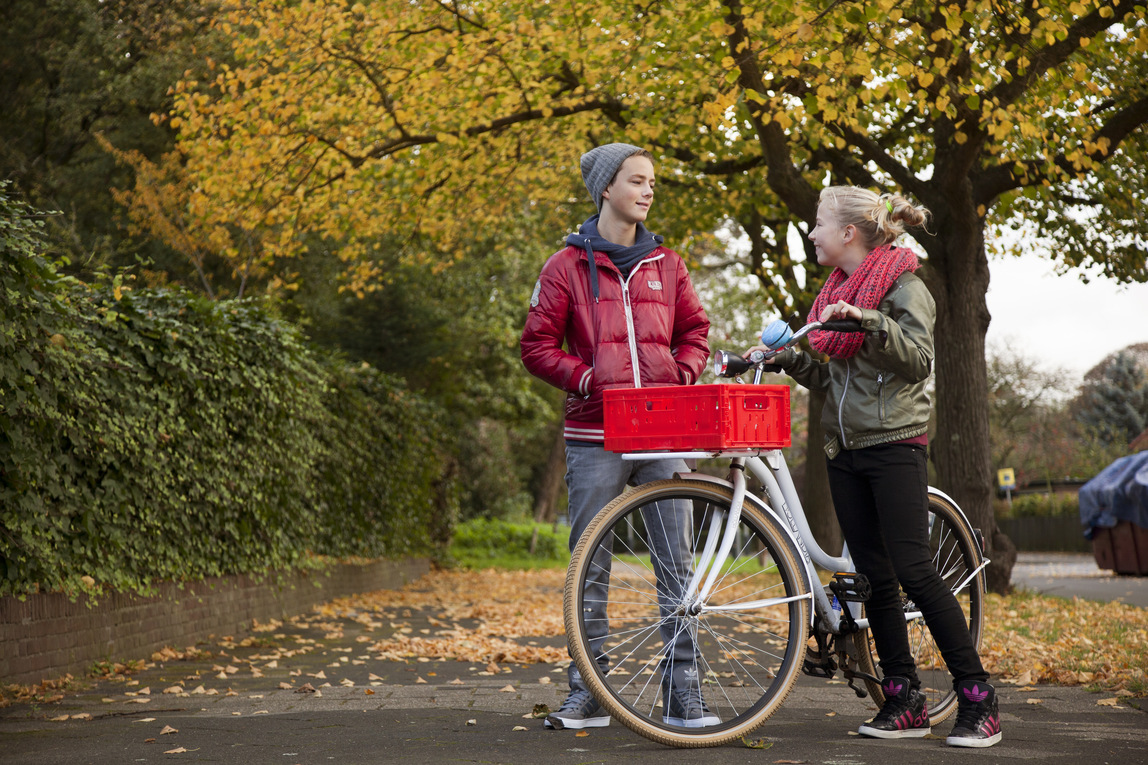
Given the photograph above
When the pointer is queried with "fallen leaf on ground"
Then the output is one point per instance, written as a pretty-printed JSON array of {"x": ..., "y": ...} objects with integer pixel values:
[
  {"x": 177, "y": 750},
  {"x": 508, "y": 689},
  {"x": 145, "y": 719},
  {"x": 540, "y": 710},
  {"x": 472, "y": 722},
  {"x": 173, "y": 689},
  {"x": 1035, "y": 701},
  {"x": 456, "y": 681},
  {"x": 285, "y": 686},
  {"x": 544, "y": 681},
  {"x": 369, "y": 692},
  {"x": 582, "y": 734},
  {"x": 1108, "y": 702},
  {"x": 757, "y": 743},
  {"x": 305, "y": 688},
  {"x": 168, "y": 729},
  {"x": 520, "y": 727},
  {"x": 419, "y": 680},
  {"x": 61, "y": 718}
]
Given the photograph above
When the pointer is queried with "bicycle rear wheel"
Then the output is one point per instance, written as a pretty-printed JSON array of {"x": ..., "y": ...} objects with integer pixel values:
[
  {"x": 956, "y": 554},
  {"x": 637, "y": 636}
]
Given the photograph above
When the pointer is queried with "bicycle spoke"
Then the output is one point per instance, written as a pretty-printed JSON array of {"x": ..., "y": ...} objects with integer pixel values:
[{"x": 648, "y": 636}]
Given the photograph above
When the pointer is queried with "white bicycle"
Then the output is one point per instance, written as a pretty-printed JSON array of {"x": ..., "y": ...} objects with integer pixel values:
[{"x": 752, "y": 600}]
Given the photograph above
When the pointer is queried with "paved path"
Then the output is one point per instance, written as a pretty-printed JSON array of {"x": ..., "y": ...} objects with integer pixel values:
[
  {"x": 369, "y": 710},
  {"x": 476, "y": 722},
  {"x": 1072, "y": 574}
]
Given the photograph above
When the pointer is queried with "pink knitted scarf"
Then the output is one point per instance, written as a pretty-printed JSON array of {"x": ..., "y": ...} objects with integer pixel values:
[{"x": 863, "y": 288}]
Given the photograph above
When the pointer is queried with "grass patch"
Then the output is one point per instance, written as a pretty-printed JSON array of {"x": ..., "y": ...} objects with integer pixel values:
[{"x": 481, "y": 543}]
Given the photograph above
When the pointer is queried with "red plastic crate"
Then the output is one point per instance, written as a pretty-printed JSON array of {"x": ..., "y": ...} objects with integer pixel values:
[{"x": 696, "y": 418}]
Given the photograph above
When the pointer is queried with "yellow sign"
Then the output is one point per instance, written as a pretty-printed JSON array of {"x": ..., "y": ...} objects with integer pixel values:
[{"x": 1006, "y": 479}]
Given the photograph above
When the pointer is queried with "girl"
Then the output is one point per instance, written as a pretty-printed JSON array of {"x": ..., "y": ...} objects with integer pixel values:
[{"x": 875, "y": 419}]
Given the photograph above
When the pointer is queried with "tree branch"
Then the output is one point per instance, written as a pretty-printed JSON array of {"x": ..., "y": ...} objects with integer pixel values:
[
  {"x": 1003, "y": 177},
  {"x": 784, "y": 178}
]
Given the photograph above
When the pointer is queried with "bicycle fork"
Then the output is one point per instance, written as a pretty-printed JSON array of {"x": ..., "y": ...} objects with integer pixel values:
[{"x": 713, "y": 557}]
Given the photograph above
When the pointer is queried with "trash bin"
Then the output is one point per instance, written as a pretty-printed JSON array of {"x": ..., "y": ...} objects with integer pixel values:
[{"x": 1114, "y": 510}]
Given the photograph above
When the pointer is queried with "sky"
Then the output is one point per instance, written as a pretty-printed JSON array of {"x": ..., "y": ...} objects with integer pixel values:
[{"x": 1059, "y": 321}]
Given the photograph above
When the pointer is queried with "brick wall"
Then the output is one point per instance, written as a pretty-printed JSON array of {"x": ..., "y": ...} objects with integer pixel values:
[{"x": 47, "y": 636}]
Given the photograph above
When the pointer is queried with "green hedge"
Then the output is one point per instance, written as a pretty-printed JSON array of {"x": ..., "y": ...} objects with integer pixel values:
[
  {"x": 1039, "y": 505},
  {"x": 153, "y": 434}
]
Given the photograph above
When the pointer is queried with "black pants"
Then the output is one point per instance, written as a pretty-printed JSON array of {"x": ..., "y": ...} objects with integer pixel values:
[{"x": 882, "y": 502}]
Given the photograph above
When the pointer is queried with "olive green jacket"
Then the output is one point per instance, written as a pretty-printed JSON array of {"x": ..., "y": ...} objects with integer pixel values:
[{"x": 878, "y": 394}]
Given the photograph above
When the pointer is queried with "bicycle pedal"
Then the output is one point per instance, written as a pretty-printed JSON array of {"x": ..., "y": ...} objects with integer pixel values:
[
  {"x": 851, "y": 587},
  {"x": 853, "y": 675},
  {"x": 826, "y": 670}
]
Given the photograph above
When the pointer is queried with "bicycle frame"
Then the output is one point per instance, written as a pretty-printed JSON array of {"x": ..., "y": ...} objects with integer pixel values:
[{"x": 770, "y": 468}]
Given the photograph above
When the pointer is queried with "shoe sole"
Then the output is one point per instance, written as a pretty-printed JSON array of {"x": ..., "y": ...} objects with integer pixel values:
[
  {"x": 557, "y": 723},
  {"x": 978, "y": 743},
  {"x": 700, "y": 722},
  {"x": 865, "y": 730}
]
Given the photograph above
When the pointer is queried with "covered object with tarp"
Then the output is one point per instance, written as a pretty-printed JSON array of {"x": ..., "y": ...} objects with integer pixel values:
[{"x": 1114, "y": 512}]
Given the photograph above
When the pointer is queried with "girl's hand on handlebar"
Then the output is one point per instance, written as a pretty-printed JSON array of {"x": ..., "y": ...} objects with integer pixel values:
[
  {"x": 758, "y": 348},
  {"x": 840, "y": 310}
]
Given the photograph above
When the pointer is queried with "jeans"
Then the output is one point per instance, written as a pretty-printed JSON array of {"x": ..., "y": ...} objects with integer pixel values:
[
  {"x": 594, "y": 477},
  {"x": 881, "y": 497}
]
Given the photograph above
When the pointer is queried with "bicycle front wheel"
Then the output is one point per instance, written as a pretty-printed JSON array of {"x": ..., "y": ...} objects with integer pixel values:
[
  {"x": 956, "y": 555},
  {"x": 672, "y": 668}
]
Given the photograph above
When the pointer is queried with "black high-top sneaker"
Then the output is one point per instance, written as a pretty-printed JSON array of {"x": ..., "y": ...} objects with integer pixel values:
[
  {"x": 904, "y": 714},
  {"x": 978, "y": 718}
]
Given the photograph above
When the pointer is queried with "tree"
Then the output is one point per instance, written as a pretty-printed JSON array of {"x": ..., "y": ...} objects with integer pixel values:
[
  {"x": 1020, "y": 395},
  {"x": 77, "y": 69},
  {"x": 342, "y": 120},
  {"x": 1115, "y": 406},
  {"x": 1033, "y": 423}
]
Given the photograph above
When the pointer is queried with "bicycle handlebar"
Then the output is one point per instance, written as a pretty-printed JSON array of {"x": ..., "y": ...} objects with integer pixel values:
[{"x": 731, "y": 364}]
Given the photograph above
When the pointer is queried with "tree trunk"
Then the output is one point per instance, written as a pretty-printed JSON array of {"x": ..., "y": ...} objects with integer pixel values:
[
  {"x": 958, "y": 280},
  {"x": 546, "y": 500},
  {"x": 817, "y": 501}
]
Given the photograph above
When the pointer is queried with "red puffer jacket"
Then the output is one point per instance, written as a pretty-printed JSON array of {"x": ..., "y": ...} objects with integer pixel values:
[{"x": 648, "y": 330}]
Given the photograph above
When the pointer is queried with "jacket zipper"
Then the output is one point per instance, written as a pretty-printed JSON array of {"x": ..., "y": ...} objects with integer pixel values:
[
  {"x": 881, "y": 396},
  {"x": 631, "y": 333},
  {"x": 841, "y": 403}
]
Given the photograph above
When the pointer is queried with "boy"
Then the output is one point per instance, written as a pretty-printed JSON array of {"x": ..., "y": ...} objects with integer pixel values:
[{"x": 628, "y": 314}]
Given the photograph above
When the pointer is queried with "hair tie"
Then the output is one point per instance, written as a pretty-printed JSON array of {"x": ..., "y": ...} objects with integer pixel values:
[{"x": 889, "y": 205}]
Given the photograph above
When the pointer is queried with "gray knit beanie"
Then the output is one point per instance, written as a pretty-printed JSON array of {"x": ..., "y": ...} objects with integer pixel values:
[{"x": 599, "y": 165}]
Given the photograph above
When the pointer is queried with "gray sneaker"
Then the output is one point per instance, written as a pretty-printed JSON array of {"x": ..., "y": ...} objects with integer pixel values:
[
  {"x": 579, "y": 710},
  {"x": 682, "y": 697}
]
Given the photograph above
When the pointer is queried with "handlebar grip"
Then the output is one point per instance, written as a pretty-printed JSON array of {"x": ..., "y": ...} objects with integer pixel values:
[{"x": 842, "y": 325}]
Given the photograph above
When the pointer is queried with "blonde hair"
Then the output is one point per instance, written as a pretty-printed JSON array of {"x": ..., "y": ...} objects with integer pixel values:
[{"x": 878, "y": 218}]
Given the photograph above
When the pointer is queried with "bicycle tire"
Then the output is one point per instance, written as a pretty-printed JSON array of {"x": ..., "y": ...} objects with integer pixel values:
[
  {"x": 746, "y": 661},
  {"x": 956, "y": 554}
]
